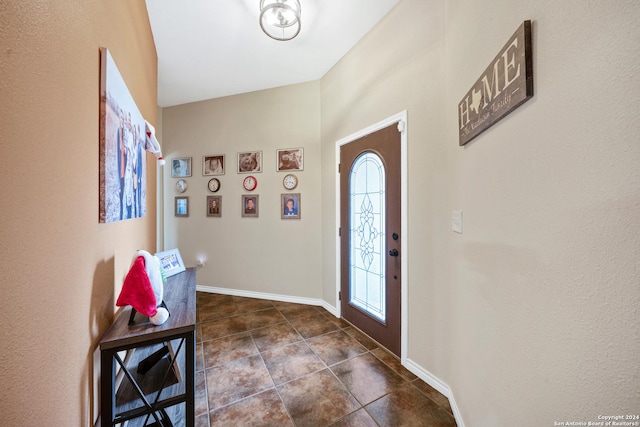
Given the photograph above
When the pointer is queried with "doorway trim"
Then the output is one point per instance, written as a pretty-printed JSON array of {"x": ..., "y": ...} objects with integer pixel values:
[{"x": 401, "y": 120}]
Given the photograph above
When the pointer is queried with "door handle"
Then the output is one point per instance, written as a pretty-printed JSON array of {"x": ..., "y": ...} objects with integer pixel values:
[{"x": 393, "y": 252}]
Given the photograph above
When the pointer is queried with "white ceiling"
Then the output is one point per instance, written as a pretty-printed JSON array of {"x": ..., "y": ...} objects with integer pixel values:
[{"x": 213, "y": 48}]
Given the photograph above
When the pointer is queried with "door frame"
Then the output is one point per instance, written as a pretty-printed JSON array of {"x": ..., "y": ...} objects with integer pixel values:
[{"x": 401, "y": 120}]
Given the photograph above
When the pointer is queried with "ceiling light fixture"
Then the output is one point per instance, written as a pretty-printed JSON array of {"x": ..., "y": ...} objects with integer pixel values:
[{"x": 280, "y": 19}]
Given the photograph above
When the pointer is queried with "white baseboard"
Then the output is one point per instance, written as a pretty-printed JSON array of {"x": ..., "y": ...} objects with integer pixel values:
[
  {"x": 273, "y": 297},
  {"x": 418, "y": 370},
  {"x": 436, "y": 383}
]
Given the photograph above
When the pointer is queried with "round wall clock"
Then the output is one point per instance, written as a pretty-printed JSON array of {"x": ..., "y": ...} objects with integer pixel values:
[
  {"x": 250, "y": 183},
  {"x": 290, "y": 181},
  {"x": 214, "y": 185},
  {"x": 181, "y": 186}
]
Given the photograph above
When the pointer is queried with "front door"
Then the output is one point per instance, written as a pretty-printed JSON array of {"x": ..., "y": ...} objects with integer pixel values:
[{"x": 370, "y": 240}]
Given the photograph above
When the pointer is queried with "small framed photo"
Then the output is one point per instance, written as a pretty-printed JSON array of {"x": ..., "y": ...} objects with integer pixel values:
[
  {"x": 214, "y": 206},
  {"x": 171, "y": 262},
  {"x": 250, "y": 205},
  {"x": 182, "y": 206},
  {"x": 250, "y": 161},
  {"x": 181, "y": 167},
  {"x": 213, "y": 165},
  {"x": 290, "y": 206},
  {"x": 290, "y": 159}
]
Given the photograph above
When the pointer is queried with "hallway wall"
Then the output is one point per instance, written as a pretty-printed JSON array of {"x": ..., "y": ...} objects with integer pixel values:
[
  {"x": 531, "y": 315},
  {"x": 259, "y": 255},
  {"x": 61, "y": 270}
]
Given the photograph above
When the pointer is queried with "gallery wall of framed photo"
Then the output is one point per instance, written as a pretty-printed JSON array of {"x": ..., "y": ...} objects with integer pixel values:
[{"x": 219, "y": 171}]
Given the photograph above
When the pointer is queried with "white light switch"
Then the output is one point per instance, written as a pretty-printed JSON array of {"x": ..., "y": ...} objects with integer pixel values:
[{"x": 456, "y": 221}]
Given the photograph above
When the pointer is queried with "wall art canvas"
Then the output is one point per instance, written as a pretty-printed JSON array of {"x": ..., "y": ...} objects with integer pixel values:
[{"x": 122, "y": 176}]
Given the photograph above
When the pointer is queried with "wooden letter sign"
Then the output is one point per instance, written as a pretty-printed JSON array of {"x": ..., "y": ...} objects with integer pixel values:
[{"x": 504, "y": 85}]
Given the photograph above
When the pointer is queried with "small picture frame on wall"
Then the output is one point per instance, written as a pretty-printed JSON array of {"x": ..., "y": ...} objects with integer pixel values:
[
  {"x": 213, "y": 165},
  {"x": 180, "y": 167},
  {"x": 290, "y": 207},
  {"x": 250, "y": 161},
  {"x": 182, "y": 206},
  {"x": 250, "y": 205},
  {"x": 214, "y": 206},
  {"x": 290, "y": 159}
]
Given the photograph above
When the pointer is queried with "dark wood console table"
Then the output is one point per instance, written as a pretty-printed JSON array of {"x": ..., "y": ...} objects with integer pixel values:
[{"x": 155, "y": 381}]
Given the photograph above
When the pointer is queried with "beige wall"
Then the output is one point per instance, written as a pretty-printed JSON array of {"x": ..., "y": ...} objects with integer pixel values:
[
  {"x": 531, "y": 315},
  {"x": 61, "y": 269},
  {"x": 264, "y": 254}
]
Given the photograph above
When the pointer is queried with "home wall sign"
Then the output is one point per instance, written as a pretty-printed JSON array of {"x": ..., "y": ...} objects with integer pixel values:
[{"x": 505, "y": 85}]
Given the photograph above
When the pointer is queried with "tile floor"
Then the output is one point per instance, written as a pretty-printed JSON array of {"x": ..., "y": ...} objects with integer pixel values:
[{"x": 268, "y": 363}]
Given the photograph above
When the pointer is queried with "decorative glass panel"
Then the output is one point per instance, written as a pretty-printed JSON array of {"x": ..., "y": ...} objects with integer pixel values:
[{"x": 367, "y": 235}]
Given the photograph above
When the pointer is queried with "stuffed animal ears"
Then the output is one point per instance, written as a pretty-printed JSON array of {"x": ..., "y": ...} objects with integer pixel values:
[{"x": 137, "y": 290}]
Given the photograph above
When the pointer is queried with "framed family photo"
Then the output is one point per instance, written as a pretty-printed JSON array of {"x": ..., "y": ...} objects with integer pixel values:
[
  {"x": 180, "y": 167},
  {"x": 250, "y": 205},
  {"x": 250, "y": 161},
  {"x": 214, "y": 206},
  {"x": 182, "y": 206},
  {"x": 171, "y": 262},
  {"x": 290, "y": 206},
  {"x": 213, "y": 165},
  {"x": 290, "y": 159},
  {"x": 122, "y": 162}
]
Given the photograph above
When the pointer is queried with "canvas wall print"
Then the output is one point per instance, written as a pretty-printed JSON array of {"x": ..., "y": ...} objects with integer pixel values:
[{"x": 122, "y": 176}]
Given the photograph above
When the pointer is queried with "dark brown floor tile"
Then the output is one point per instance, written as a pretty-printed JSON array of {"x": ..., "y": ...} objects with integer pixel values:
[
  {"x": 236, "y": 380},
  {"x": 226, "y": 349},
  {"x": 223, "y": 327},
  {"x": 262, "y": 410},
  {"x": 275, "y": 336},
  {"x": 259, "y": 319},
  {"x": 292, "y": 361},
  {"x": 340, "y": 323},
  {"x": 201, "y": 404},
  {"x": 360, "y": 418},
  {"x": 292, "y": 310},
  {"x": 361, "y": 338},
  {"x": 313, "y": 325},
  {"x": 367, "y": 378},
  {"x": 335, "y": 347},
  {"x": 208, "y": 300},
  {"x": 218, "y": 311},
  {"x": 408, "y": 407},
  {"x": 250, "y": 305},
  {"x": 199, "y": 357},
  {"x": 433, "y": 394},
  {"x": 318, "y": 399},
  {"x": 392, "y": 361}
]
